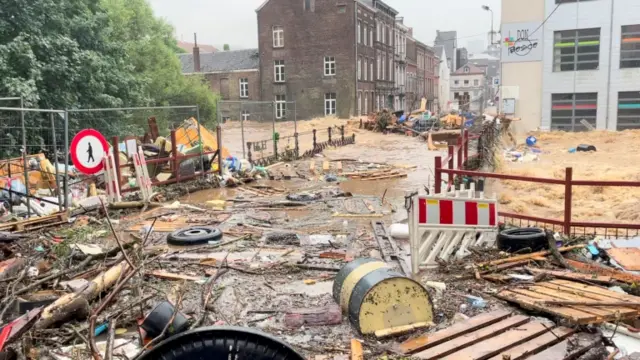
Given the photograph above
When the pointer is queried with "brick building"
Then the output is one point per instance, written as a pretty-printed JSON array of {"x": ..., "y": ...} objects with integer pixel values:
[
  {"x": 385, "y": 55},
  {"x": 411, "y": 95},
  {"x": 431, "y": 78}
]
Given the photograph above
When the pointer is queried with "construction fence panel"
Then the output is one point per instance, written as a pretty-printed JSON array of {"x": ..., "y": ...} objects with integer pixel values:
[
  {"x": 247, "y": 122},
  {"x": 36, "y": 138}
]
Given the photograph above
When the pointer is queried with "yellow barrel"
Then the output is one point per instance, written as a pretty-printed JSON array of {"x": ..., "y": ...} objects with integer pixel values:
[{"x": 375, "y": 297}]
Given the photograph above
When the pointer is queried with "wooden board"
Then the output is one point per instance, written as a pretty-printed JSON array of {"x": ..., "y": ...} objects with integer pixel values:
[
  {"x": 557, "y": 351},
  {"x": 628, "y": 258},
  {"x": 535, "y": 345},
  {"x": 430, "y": 340},
  {"x": 164, "y": 226},
  {"x": 477, "y": 336},
  {"x": 496, "y": 345},
  {"x": 601, "y": 279},
  {"x": 325, "y": 166},
  {"x": 533, "y": 297},
  {"x": 596, "y": 269}
]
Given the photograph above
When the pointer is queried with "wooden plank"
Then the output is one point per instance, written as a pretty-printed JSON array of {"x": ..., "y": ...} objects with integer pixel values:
[
  {"x": 499, "y": 268},
  {"x": 530, "y": 303},
  {"x": 312, "y": 166},
  {"x": 430, "y": 340},
  {"x": 602, "y": 279},
  {"x": 579, "y": 293},
  {"x": 496, "y": 345},
  {"x": 325, "y": 166},
  {"x": 356, "y": 350},
  {"x": 595, "y": 269},
  {"x": 339, "y": 166},
  {"x": 628, "y": 258},
  {"x": 557, "y": 351},
  {"x": 601, "y": 315},
  {"x": 171, "y": 276},
  {"x": 475, "y": 337},
  {"x": 529, "y": 256},
  {"x": 594, "y": 290},
  {"x": 385, "y": 177},
  {"x": 571, "y": 297},
  {"x": 536, "y": 345}
]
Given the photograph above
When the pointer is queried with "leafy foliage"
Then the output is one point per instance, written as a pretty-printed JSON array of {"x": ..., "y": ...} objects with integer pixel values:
[{"x": 93, "y": 54}]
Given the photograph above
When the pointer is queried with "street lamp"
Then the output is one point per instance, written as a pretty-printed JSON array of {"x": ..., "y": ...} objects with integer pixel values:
[{"x": 487, "y": 8}]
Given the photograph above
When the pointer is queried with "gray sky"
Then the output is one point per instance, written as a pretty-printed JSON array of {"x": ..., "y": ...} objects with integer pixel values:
[{"x": 234, "y": 21}]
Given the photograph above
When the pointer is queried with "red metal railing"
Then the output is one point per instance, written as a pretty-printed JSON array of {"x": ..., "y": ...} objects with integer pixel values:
[
  {"x": 566, "y": 225},
  {"x": 173, "y": 159}
]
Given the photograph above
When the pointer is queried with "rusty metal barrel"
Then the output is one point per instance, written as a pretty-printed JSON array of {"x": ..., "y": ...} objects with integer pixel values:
[{"x": 375, "y": 297}]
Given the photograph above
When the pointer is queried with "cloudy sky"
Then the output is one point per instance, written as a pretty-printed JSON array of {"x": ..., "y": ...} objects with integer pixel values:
[{"x": 234, "y": 21}]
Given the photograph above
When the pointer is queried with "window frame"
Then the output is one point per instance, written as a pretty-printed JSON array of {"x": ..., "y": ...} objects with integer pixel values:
[
  {"x": 329, "y": 100},
  {"x": 244, "y": 88},
  {"x": 587, "y": 101},
  {"x": 330, "y": 70},
  {"x": 371, "y": 36},
  {"x": 359, "y": 31},
  {"x": 573, "y": 40},
  {"x": 627, "y": 109},
  {"x": 365, "y": 76},
  {"x": 278, "y": 76},
  {"x": 359, "y": 70},
  {"x": 280, "y": 106},
  {"x": 633, "y": 46},
  {"x": 277, "y": 33},
  {"x": 245, "y": 115},
  {"x": 476, "y": 82}
]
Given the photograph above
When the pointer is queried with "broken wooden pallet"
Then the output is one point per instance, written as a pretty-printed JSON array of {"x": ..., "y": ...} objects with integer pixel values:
[
  {"x": 494, "y": 335},
  {"x": 35, "y": 223},
  {"x": 534, "y": 297}
]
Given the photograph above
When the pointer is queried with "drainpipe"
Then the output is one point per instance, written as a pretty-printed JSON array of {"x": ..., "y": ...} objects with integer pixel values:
[
  {"x": 610, "y": 66},
  {"x": 355, "y": 59}
]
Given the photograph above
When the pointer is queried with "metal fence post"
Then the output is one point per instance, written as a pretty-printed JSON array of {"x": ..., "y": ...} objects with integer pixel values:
[
  {"x": 204, "y": 171},
  {"x": 55, "y": 159},
  {"x": 451, "y": 156},
  {"x": 66, "y": 160},
  {"x": 297, "y": 145},
  {"x": 24, "y": 157},
  {"x": 465, "y": 142},
  {"x": 568, "y": 179},
  {"x": 438, "y": 175},
  {"x": 219, "y": 140},
  {"x": 314, "y": 139},
  {"x": 342, "y": 133},
  {"x": 174, "y": 156},
  {"x": 460, "y": 157},
  {"x": 329, "y": 132},
  {"x": 242, "y": 130},
  {"x": 295, "y": 117},
  {"x": 249, "y": 151},
  {"x": 273, "y": 126}
]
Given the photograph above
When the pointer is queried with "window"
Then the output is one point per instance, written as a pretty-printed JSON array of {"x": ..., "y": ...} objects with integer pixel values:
[
  {"x": 359, "y": 103},
  {"x": 366, "y": 34},
  {"x": 382, "y": 67},
  {"x": 329, "y": 66},
  {"x": 359, "y": 68},
  {"x": 567, "y": 110},
  {"x": 366, "y": 68},
  {"x": 383, "y": 29},
  {"x": 342, "y": 8},
  {"x": 466, "y": 70},
  {"x": 476, "y": 82},
  {"x": 308, "y": 5},
  {"x": 456, "y": 82},
  {"x": 630, "y": 47},
  {"x": 371, "y": 37},
  {"x": 466, "y": 83},
  {"x": 359, "y": 32},
  {"x": 371, "y": 71},
  {"x": 245, "y": 115},
  {"x": 575, "y": 50},
  {"x": 330, "y": 104},
  {"x": 244, "y": 88},
  {"x": 281, "y": 106},
  {"x": 390, "y": 68},
  {"x": 378, "y": 62},
  {"x": 278, "y": 68},
  {"x": 278, "y": 36},
  {"x": 628, "y": 110},
  {"x": 366, "y": 102}
]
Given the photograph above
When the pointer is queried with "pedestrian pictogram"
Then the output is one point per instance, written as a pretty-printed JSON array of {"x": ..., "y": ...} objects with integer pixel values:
[{"x": 87, "y": 151}]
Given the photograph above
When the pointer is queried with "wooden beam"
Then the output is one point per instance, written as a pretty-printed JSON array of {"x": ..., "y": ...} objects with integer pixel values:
[
  {"x": 536, "y": 345},
  {"x": 529, "y": 256}
]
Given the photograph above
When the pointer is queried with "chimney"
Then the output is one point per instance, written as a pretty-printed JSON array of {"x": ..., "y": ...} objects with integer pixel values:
[
  {"x": 411, "y": 31},
  {"x": 196, "y": 54}
]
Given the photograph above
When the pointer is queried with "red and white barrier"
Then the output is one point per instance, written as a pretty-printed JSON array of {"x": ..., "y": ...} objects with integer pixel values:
[
  {"x": 112, "y": 184},
  {"x": 444, "y": 226},
  {"x": 142, "y": 175}
]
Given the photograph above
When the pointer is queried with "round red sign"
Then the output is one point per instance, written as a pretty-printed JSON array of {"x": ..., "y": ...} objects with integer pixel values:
[{"x": 87, "y": 150}]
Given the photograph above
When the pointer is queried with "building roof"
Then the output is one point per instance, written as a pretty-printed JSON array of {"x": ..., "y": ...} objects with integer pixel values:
[
  {"x": 222, "y": 61},
  {"x": 483, "y": 56},
  {"x": 188, "y": 47},
  {"x": 473, "y": 70}
]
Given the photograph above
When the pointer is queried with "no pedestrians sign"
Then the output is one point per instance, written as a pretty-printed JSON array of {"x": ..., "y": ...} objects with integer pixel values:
[{"x": 87, "y": 150}]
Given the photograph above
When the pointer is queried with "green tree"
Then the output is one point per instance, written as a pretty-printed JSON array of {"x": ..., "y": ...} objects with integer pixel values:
[{"x": 226, "y": 47}]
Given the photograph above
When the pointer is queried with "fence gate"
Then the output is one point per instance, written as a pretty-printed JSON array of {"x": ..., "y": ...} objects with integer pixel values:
[{"x": 445, "y": 225}]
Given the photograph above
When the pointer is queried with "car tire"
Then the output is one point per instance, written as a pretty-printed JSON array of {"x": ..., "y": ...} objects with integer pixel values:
[
  {"x": 521, "y": 238},
  {"x": 222, "y": 342},
  {"x": 195, "y": 235}
]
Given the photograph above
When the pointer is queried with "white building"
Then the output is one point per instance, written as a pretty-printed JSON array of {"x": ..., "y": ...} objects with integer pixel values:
[
  {"x": 444, "y": 80},
  {"x": 467, "y": 88},
  {"x": 582, "y": 63}
]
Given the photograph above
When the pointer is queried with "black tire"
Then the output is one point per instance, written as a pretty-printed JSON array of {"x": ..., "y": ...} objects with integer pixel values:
[
  {"x": 222, "y": 343},
  {"x": 195, "y": 235},
  {"x": 521, "y": 238}
]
